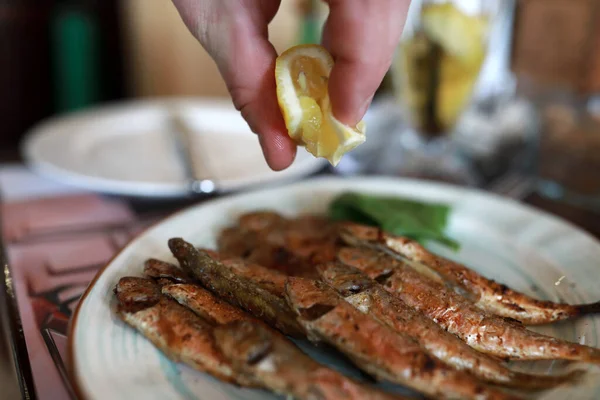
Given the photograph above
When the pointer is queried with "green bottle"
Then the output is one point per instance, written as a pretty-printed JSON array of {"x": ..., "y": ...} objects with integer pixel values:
[
  {"x": 75, "y": 51},
  {"x": 311, "y": 24}
]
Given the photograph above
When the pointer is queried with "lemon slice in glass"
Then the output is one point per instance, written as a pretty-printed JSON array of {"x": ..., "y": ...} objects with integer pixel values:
[{"x": 459, "y": 34}]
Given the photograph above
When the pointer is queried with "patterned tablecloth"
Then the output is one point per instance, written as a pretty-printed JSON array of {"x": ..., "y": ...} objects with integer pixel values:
[{"x": 56, "y": 239}]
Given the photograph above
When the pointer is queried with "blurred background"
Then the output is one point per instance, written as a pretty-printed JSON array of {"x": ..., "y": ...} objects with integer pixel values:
[
  {"x": 61, "y": 56},
  {"x": 523, "y": 102},
  {"x": 479, "y": 91},
  {"x": 501, "y": 95}
]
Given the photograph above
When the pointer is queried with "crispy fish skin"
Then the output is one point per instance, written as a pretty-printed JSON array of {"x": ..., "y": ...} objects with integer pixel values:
[
  {"x": 372, "y": 299},
  {"x": 257, "y": 249},
  {"x": 204, "y": 304},
  {"x": 484, "y": 332},
  {"x": 262, "y": 252},
  {"x": 280, "y": 366},
  {"x": 164, "y": 271},
  {"x": 292, "y": 246},
  {"x": 236, "y": 289},
  {"x": 487, "y": 294},
  {"x": 307, "y": 226},
  {"x": 179, "y": 333},
  {"x": 260, "y": 220},
  {"x": 237, "y": 242},
  {"x": 376, "y": 348},
  {"x": 269, "y": 279}
]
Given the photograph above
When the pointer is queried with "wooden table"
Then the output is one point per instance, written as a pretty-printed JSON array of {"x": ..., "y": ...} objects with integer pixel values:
[{"x": 587, "y": 220}]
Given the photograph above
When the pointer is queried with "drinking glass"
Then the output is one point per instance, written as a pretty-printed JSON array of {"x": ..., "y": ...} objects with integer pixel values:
[
  {"x": 434, "y": 73},
  {"x": 569, "y": 148}
]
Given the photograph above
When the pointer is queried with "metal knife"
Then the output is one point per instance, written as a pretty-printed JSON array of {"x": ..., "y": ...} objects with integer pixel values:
[{"x": 182, "y": 137}]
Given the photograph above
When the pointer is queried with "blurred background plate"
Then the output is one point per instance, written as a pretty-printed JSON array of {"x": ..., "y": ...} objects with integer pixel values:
[{"x": 129, "y": 149}]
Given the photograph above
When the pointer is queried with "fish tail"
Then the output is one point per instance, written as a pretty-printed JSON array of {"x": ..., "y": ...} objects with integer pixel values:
[
  {"x": 532, "y": 383},
  {"x": 587, "y": 309},
  {"x": 592, "y": 356}
]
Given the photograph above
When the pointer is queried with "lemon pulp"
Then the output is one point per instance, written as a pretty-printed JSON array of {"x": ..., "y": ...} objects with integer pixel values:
[{"x": 306, "y": 107}]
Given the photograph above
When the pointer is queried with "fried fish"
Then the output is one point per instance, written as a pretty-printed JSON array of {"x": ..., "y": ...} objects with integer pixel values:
[
  {"x": 371, "y": 298},
  {"x": 376, "y": 348},
  {"x": 236, "y": 289},
  {"x": 280, "y": 366},
  {"x": 483, "y": 331},
  {"x": 179, "y": 333},
  {"x": 204, "y": 304},
  {"x": 487, "y": 294}
]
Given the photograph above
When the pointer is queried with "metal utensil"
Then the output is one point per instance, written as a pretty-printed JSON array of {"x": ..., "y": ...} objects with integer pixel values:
[
  {"x": 182, "y": 137},
  {"x": 514, "y": 185},
  {"x": 15, "y": 368}
]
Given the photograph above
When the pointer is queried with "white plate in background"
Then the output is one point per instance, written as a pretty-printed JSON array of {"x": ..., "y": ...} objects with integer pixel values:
[{"x": 126, "y": 149}]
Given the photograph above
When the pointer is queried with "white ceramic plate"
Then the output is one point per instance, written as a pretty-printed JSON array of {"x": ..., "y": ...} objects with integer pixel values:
[
  {"x": 126, "y": 149},
  {"x": 504, "y": 240}
]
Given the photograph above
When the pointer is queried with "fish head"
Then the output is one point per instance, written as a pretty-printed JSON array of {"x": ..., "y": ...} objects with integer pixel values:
[
  {"x": 355, "y": 234},
  {"x": 244, "y": 341},
  {"x": 135, "y": 294},
  {"x": 181, "y": 249},
  {"x": 192, "y": 260},
  {"x": 309, "y": 298},
  {"x": 372, "y": 263},
  {"x": 345, "y": 279},
  {"x": 161, "y": 270}
]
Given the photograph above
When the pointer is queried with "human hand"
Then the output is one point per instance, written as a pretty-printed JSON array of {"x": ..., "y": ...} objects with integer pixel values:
[{"x": 361, "y": 35}]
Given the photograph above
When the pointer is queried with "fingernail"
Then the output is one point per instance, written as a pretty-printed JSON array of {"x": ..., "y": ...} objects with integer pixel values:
[{"x": 363, "y": 109}]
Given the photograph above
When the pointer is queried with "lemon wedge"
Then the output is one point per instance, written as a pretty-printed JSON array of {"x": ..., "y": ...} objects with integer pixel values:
[{"x": 302, "y": 76}]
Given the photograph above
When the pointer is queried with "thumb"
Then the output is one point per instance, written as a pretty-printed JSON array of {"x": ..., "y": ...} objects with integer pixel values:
[{"x": 362, "y": 37}]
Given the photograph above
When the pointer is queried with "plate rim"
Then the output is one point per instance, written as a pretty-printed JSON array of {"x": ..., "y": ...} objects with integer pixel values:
[
  {"x": 27, "y": 147},
  {"x": 72, "y": 326}
]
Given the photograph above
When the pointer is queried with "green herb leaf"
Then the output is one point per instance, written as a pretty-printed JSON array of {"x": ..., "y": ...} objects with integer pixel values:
[{"x": 417, "y": 220}]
